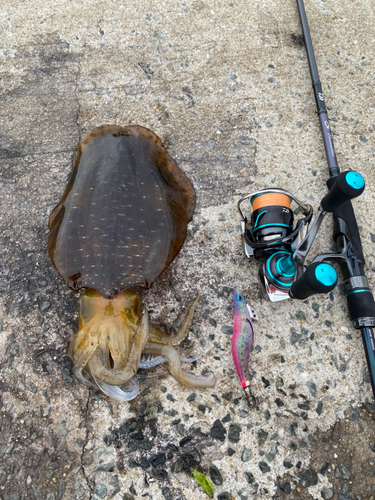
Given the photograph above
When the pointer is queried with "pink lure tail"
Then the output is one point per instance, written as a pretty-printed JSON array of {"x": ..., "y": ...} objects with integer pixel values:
[{"x": 242, "y": 340}]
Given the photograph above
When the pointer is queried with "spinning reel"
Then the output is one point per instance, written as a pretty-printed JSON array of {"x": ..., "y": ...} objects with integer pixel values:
[{"x": 270, "y": 237}]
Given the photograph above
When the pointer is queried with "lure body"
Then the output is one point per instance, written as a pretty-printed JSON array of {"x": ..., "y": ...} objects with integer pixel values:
[{"x": 242, "y": 340}]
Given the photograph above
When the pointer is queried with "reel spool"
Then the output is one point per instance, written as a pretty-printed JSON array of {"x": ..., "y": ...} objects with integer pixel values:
[
  {"x": 271, "y": 222},
  {"x": 271, "y": 217}
]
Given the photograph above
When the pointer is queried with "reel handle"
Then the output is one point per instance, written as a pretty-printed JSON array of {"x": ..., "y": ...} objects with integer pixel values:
[
  {"x": 348, "y": 185},
  {"x": 319, "y": 277}
]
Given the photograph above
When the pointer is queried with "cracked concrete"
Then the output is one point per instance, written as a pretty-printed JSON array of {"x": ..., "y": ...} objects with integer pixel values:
[
  {"x": 86, "y": 416},
  {"x": 78, "y": 103},
  {"x": 226, "y": 87}
]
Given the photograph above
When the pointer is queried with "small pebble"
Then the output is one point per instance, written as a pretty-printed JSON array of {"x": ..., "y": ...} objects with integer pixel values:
[
  {"x": 264, "y": 467},
  {"x": 319, "y": 408},
  {"x": 218, "y": 431},
  {"x": 311, "y": 387},
  {"x": 227, "y": 330},
  {"x": 226, "y": 419},
  {"x": 353, "y": 416},
  {"x": 345, "y": 472},
  {"x": 224, "y": 496},
  {"x": 326, "y": 493},
  {"x": 265, "y": 382},
  {"x": 44, "y": 306},
  {"x": 215, "y": 475},
  {"x": 324, "y": 469},
  {"x": 234, "y": 433},
  {"x": 262, "y": 437},
  {"x": 286, "y": 488},
  {"x": 167, "y": 494},
  {"x": 157, "y": 459},
  {"x": 309, "y": 478},
  {"x": 242, "y": 494},
  {"x": 246, "y": 454},
  {"x": 249, "y": 477},
  {"x": 101, "y": 490},
  {"x": 228, "y": 396}
]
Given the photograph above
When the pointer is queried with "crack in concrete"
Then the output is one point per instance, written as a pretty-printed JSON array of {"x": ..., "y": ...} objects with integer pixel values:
[
  {"x": 33, "y": 155},
  {"x": 86, "y": 412},
  {"x": 78, "y": 75}
]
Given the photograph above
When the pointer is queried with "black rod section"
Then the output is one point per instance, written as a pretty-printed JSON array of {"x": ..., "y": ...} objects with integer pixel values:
[
  {"x": 361, "y": 302},
  {"x": 368, "y": 344},
  {"x": 318, "y": 92}
]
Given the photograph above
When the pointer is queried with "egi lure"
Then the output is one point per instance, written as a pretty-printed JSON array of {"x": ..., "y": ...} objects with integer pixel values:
[{"x": 242, "y": 340}]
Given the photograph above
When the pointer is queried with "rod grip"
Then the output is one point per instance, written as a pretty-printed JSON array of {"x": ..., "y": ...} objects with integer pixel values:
[
  {"x": 319, "y": 277},
  {"x": 348, "y": 185},
  {"x": 361, "y": 304}
]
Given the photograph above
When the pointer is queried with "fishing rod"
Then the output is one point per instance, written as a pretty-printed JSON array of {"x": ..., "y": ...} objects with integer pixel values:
[
  {"x": 345, "y": 231},
  {"x": 270, "y": 236}
]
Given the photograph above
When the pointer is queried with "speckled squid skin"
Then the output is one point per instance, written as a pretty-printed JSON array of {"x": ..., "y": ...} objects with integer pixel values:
[
  {"x": 124, "y": 214},
  {"x": 120, "y": 222}
]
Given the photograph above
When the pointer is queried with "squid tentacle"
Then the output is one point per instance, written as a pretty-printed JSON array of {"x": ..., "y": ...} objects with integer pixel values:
[
  {"x": 149, "y": 361},
  {"x": 183, "y": 376},
  {"x": 159, "y": 337}
]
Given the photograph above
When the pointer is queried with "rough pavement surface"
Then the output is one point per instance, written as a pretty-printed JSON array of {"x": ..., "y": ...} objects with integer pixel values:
[{"x": 226, "y": 86}]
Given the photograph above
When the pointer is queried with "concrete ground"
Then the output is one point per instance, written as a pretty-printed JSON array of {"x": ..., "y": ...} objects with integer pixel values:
[{"x": 226, "y": 86}]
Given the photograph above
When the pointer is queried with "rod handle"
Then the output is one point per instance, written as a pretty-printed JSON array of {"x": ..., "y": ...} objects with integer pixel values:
[
  {"x": 348, "y": 185},
  {"x": 361, "y": 304},
  {"x": 319, "y": 277}
]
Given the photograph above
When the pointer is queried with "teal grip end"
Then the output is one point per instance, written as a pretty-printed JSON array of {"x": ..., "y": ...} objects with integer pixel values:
[
  {"x": 326, "y": 274},
  {"x": 355, "y": 180}
]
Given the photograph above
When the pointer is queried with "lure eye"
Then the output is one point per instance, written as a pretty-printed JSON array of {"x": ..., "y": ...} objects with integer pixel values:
[{"x": 239, "y": 297}]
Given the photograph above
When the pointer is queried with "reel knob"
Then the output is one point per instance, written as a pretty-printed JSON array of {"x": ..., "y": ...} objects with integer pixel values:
[
  {"x": 318, "y": 278},
  {"x": 279, "y": 270},
  {"x": 348, "y": 185}
]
